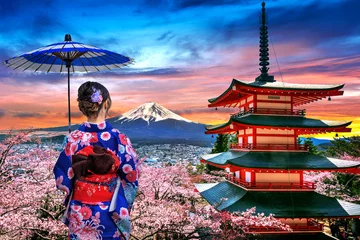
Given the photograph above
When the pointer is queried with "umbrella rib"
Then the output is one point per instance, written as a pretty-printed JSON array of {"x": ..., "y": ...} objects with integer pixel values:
[
  {"x": 43, "y": 62},
  {"x": 88, "y": 50},
  {"x": 104, "y": 57},
  {"x": 54, "y": 59},
  {"x": 35, "y": 57},
  {"x": 90, "y": 53},
  {"x": 78, "y": 57},
  {"x": 83, "y": 64},
  {"x": 51, "y": 65},
  {"x": 113, "y": 55},
  {"x": 110, "y": 55},
  {"x": 27, "y": 60},
  {"x": 61, "y": 67},
  {"x": 114, "y": 58},
  {"x": 91, "y": 63},
  {"x": 19, "y": 59},
  {"x": 42, "y": 56}
]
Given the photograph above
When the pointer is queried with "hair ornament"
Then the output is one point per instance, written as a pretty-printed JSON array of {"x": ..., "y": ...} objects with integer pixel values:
[{"x": 96, "y": 96}]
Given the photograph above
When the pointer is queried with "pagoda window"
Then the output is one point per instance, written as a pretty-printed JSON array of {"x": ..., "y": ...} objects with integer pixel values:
[
  {"x": 273, "y": 105},
  {"x": 240, "y": 141},
  {"x": 237, "y": 174},
  {"x": 227, "y": 169},
  {"x": 249, "y": 99},
  {"x": 249, "y": 131},
  {"x": 275, "y": 131},
  {"x": 288, "y": 140},
  {"x": 247, "y": 176},
  {"x": 298, "y": 221},
  {"x": 277, "y": 178},
  {"x": 250, "y": 140},
  {"x": 274, "y": 98}
]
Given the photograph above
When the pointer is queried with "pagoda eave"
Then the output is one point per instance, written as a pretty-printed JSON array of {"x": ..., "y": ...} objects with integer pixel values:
[
  {"x": 226, "y": 196},
  {"x": 258, "y": 161},
  {"x": 301, "y": 124},
  {"x": 302, "y": 93}
]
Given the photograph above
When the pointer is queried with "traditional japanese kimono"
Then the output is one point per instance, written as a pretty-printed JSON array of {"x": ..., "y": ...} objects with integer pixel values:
[{"x": 98, "y": 205}]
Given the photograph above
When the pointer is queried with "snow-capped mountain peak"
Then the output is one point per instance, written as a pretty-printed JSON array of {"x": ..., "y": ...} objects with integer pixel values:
[{"x": 150, "y": 112}]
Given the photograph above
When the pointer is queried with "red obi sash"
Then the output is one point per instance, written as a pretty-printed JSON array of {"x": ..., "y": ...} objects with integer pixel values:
[{"x": 94, "y": 188}]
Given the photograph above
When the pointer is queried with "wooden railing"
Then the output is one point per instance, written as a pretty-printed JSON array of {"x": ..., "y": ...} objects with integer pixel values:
[
  {"x": 302, "y": 147},
  {"x": 311, "y": 226},
  {"x": 296, "y": 112},
  {"x": 270, "y": 185}
]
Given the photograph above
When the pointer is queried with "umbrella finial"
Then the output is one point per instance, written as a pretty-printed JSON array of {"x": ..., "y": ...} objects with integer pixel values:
[{"x": 67, "y": 37}]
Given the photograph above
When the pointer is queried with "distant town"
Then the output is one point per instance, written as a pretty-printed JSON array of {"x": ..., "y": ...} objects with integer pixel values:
[{"x": 157, "y": 155}]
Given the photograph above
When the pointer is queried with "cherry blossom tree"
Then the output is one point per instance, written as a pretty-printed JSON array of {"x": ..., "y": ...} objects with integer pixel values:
[
  {"x": 167, "y": 204},
  {"x": 29, "y": 205},
  {"x": 340, "y": 185}
]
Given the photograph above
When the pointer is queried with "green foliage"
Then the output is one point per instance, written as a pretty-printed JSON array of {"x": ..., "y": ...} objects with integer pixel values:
[
  {"x": 351, "y": 183},
  {"x": 342, "y": 146},
  {"x": 312, "y": 148},
  {"x": 210, "y": 168},
  {"x": 350, "y": 147},
  {"x": 221, "y": 144},
  {"x": 233, "y": 139},
  {"x": 200, "y": 168}
]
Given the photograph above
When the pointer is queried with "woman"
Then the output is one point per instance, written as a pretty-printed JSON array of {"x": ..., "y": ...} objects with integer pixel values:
[{"x": 98, "y": 172}]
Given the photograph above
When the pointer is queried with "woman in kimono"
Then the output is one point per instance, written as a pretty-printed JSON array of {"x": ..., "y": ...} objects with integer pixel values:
[{"x": 98, "y": 171}]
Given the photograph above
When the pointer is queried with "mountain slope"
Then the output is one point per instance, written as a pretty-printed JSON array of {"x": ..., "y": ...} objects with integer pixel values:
[{"x": 150, "y": 112}]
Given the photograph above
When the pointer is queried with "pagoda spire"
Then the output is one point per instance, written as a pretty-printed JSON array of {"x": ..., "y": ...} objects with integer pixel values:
[{"x": 264, "y": 50}]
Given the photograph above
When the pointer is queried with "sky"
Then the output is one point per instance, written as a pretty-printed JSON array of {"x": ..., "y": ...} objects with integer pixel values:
[{"x": 185, "y": 53}]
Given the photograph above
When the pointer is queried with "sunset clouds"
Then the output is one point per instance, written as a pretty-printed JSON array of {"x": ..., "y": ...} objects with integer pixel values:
[{"x": 185, "y": 52}]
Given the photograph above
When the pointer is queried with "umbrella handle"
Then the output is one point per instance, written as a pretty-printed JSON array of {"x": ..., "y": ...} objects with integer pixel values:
[{"x": 68, "y": 67}]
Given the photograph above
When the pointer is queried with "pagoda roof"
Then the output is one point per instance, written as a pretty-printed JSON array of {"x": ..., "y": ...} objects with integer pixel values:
[
  {"x": 275, "y": 121},
  {"x": 315, "y": 91},
  {"x": 230, "y": 197},
  {"x": 278, "y": 160}
]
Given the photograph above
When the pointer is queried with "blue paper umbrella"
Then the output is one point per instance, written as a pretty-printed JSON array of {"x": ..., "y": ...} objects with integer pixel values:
[{"x": 68, "y": 56}]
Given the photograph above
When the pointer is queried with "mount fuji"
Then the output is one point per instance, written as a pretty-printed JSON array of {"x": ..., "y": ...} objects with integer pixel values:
[
  {"x": 153, "y": 123},
  {"x": 150, "y": 112}
]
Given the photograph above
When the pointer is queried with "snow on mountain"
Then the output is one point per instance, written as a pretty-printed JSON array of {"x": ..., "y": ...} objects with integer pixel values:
[{"x": 150, "y": 112}]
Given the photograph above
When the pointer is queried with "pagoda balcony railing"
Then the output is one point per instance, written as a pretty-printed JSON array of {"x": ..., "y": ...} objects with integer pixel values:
[
  {"x": 295, "y": 112},
  {"x": 251, "y": 146},
  {"x": 311, "y": 226},
  {"x": 270, "y": 185}
]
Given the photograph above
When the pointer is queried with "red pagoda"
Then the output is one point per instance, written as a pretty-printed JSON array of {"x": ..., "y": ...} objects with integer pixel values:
[{"x": 266, "y": 166}]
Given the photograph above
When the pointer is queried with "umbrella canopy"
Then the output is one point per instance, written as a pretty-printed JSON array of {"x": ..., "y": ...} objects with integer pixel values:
[{"x": 68, "y": 56}]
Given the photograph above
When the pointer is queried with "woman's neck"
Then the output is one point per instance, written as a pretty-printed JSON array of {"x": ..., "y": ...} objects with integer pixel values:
[{"x": 96, "y": 120}]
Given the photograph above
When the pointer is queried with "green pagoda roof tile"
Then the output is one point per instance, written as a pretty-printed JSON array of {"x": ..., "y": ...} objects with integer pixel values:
[
  {"x": 229, "y": 197},
  {"x": 279, "y": 85},
  {"x": 278, "y": 160},
  {"x": 280, "y": 121}
]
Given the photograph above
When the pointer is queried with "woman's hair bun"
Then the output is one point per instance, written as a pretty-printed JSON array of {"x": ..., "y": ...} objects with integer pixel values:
[{"x": 86, "y": 105}]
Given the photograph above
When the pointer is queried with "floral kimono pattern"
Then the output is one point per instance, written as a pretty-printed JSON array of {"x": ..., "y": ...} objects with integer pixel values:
[{"x": 108, "y": 219}]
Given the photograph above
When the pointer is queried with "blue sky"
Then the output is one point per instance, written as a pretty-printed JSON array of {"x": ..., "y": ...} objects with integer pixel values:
[{"x": 185, "y": 52}]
